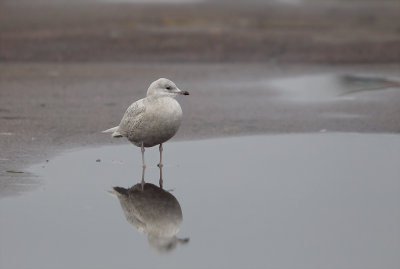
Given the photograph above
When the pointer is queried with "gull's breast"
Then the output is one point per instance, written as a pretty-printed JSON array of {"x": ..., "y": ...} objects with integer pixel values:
[{"x": 161, "y": 121}]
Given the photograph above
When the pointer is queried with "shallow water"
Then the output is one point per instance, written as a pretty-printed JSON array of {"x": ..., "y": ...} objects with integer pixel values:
[
  {"x": 284, "y": 201},
  {"x": 328, "y": 87}
]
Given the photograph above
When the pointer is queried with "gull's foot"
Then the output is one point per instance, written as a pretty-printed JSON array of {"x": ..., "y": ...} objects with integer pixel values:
[{"x": 161, "y": 183}]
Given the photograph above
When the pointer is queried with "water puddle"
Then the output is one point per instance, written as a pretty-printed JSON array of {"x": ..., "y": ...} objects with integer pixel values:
[
  {"x": 329, "y": 86},
  {"x": 284, "y": 201}
]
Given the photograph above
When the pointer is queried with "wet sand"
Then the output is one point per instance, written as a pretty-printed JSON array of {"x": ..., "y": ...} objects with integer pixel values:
[
  {"x": 67, "y": 72},
  {"x": 46, "y": 108}
]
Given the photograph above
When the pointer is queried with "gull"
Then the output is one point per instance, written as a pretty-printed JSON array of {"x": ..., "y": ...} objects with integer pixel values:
[{"x": 152, "y": 120}]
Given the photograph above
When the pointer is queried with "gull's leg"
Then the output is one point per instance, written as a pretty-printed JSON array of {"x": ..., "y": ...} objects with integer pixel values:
[
  {"x": 144, "y": 165},
  {"x": 160, "y": 165},
  {"x": 161, "y": 150},
  {"x": 144, "y": 168},
  {"x": 161, "y": 180},
  {"x": 142, "y": 148}
]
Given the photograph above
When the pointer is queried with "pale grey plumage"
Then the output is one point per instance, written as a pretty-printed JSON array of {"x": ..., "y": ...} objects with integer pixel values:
[{"x": 154, "y": 119}]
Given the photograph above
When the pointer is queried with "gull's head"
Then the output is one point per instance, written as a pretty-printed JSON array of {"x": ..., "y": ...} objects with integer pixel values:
[{"x": 164, "y": 87}]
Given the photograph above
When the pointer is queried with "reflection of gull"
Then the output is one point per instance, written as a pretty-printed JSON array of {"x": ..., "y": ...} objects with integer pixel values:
[
  {"x": 152, "y": 120},
  {"x": 153, "y": 211}
]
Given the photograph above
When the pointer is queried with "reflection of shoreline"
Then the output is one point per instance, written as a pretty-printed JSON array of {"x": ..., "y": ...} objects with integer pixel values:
[{"x": 154, "y": 212}]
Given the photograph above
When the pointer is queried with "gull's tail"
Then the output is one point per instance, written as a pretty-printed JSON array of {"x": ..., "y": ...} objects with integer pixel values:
[{"x": 114, "y": 131}]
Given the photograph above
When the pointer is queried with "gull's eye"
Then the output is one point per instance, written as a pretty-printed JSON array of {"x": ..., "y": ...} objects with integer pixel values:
[{"x": 168, "y": 87}]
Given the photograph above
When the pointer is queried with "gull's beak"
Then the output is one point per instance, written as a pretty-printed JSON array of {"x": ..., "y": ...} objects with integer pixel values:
[{"x": 183, "y": 92}]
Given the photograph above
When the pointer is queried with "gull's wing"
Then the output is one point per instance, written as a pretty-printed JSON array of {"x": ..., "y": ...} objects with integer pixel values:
[{"x": 132, "y": 117}]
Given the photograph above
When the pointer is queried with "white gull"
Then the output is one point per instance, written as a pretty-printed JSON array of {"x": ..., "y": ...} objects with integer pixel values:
[{"x": 152, "y": 120}]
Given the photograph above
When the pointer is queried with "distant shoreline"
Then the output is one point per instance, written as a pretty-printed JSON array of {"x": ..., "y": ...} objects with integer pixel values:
[{"x": 327, "y": 33}]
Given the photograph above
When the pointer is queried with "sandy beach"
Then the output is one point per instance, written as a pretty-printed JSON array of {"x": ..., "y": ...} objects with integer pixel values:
[{"x": 68, "y": 72}]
